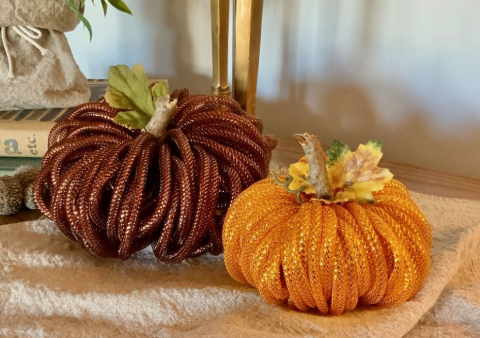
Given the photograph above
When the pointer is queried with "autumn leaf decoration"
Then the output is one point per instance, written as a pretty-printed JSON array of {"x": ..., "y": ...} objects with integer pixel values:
[
  {"x": 129, "y": 91},
  {"x": 351, "y": 176}
]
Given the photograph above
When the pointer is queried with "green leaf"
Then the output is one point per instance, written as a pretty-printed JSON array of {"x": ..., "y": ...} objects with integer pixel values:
[
  {"x": 71, "y": 5},
  {"x": 129, "y": 89},
  {"x": 117, "y": 100},
  {"x": 337, "y": 152},
  {"x": 375, "y": 144},
  {"x": 159, "y": 89},
  {"x": 87, "y": 25},
  {"x": 105, "y": 7},
  {"x": 121, "y": 6},
  {"x": 136, "y": 120}
]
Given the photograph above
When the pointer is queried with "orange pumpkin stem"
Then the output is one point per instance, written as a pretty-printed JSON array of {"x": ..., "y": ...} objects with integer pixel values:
[{"x": 317, "y": 162}]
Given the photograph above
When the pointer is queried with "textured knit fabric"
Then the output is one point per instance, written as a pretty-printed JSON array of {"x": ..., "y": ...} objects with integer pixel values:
[
  {"x": 52, "y": 287},
  {"x": 51, "y": 81},
  {"x": 37, "y": 69},
  {"x": 47, "y": 14}
]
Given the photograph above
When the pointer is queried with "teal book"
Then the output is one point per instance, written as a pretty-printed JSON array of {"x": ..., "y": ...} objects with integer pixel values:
[{"x": 9, "y": 164}]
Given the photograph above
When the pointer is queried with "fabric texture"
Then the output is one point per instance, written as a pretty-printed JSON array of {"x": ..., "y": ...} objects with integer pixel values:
[
  {"x": 52, "y": 287},
  {"x": 47, "y": 14},
  {"x": 52, "y": 80}
]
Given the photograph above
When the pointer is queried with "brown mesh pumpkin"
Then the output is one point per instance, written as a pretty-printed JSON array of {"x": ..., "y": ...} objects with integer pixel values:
[{"x": 117, "y": 190}]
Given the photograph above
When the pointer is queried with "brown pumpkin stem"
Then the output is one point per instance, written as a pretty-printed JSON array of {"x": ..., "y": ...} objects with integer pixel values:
[
  {"x": 317, "y": 161},
  {"x": 164, "y": 111}
]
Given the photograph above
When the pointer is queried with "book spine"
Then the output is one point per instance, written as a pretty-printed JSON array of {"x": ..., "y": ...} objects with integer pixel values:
[{"x": 23, "y": 139}]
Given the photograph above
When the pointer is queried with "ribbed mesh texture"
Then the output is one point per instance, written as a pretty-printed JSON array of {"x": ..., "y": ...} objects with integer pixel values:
[{"x": 327, "y": 257}]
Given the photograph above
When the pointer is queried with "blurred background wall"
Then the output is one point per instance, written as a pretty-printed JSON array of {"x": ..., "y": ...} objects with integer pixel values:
[{"x": 406, "y": 72}]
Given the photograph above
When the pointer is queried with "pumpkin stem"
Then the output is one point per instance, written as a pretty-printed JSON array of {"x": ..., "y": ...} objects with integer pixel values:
[
  {"x": 164, "y": 111},
  {"x": 317, "y": 161}
]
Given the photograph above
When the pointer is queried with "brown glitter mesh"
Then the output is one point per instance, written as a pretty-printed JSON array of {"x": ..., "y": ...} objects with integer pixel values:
[
  {"x": 327, "y": 257},
  {"x": 117, "y": 190}
]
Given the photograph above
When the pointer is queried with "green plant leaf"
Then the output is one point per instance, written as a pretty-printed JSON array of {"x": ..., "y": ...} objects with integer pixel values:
[
  {"x": 87, "y": 25},
  {"x": 375, "y": 144},
  {"x": 136, "y": 120},
  {"x": 129, "y": 89},
  {"x": 337, "y": 152},
  {"x": 121, "y": 6},
  {"x": 71, "y": 4},
  {"x": 159, "y": 89},
  {"x": 105, "y": 7}
]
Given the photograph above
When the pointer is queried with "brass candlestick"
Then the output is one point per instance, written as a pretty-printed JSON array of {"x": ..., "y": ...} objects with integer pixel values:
[
  {"x": 248, "y": 32},
  {"x": 246, "y": 56},
  {"x": 220, "y": 21}
]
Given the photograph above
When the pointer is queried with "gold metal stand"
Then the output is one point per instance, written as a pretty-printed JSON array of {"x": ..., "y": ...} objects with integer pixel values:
[
  {"x": 248, "y": 32},
  {"x": 246, "y": 57},
  {"x": 220, "y": 20}
]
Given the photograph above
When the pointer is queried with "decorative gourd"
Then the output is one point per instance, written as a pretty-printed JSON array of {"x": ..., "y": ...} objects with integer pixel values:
[
  {"x": 116, "y": 189},
  {"x": 335, "y": 250}
]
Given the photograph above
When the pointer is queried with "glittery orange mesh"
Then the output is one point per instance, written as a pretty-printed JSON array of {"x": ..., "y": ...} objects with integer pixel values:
[{"x": 327, "y": 257}]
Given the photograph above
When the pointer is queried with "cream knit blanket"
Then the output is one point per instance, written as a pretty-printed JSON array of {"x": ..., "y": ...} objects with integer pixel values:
[{"x": 52, "y": 287}]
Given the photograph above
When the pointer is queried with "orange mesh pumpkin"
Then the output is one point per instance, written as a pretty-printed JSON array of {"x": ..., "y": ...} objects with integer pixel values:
[{"x": 329, "y": 257}]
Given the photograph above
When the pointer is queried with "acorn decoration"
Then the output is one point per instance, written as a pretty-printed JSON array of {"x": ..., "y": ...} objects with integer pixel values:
[
  {"x": 335, "y": 232},
  {"x": 142, "y": 168}
]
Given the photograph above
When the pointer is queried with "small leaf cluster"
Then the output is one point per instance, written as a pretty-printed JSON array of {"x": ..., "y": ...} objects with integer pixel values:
[
  {"x": 129, "y": 91},
  {"x": 352, "y": 175},
  {"x": 73, "y": 5}
]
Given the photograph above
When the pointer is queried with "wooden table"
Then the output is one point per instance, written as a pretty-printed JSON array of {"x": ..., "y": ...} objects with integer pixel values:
[{"x": 417, "y": 179}]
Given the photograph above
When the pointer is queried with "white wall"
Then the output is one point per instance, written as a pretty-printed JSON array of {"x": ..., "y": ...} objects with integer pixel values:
[{"x": 404, "y": 71}]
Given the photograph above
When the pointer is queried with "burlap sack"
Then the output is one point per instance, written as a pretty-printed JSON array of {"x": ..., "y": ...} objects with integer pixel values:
[
  {"x": 47, "y": 14},
  {"x": 37, "y": 69},
  {"x": 44, "y": 75}
]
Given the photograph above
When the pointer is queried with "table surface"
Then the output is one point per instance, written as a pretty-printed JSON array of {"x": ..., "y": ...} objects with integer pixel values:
[{"x": 417, "y": 179}]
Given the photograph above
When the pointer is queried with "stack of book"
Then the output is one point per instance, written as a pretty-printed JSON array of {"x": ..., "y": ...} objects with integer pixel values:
[{"x": 24, "y": 133}]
